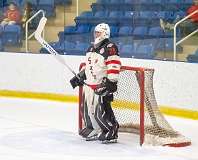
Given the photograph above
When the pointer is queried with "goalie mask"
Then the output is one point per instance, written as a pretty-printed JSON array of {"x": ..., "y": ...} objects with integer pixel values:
[{"x": 104, "y": 32}]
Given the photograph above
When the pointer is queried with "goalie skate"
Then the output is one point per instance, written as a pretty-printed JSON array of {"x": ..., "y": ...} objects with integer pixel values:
[
  {"x": 109, "y": 141},
  {"x": 92, "y": 138}
]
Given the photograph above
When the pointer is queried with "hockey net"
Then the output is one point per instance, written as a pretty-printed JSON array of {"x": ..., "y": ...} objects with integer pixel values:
[{"x": 136, "y": 109}]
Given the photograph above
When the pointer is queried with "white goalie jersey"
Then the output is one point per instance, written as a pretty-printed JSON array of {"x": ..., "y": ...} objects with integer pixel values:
[{"x": 101, "y": 62}]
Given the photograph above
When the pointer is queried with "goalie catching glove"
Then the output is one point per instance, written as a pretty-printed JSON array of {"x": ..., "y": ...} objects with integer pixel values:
[
  {"x": 106, "y": 87},
  {"x": 78, "y": 80}
]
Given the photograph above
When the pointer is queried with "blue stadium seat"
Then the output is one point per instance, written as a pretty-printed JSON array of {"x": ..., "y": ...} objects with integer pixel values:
[
  {"x": 66, "y": 46},
  {"x": 171, "y": 5},
  {"x": 165, "y": 15},
  {"x": 114, "y": 31},
  {"x": 144, "y": 18},
  {"x": 33, "y": 2},
  {"x": 46, "y": 2},
  {"x": 145, "y": 1},
  {"x": 153, "y": 42},
  {"x": 166, "y": 44},
  {"x": 79, "y": 48},
  {"x": 157, "y": 5},
  {"x": 163, "y": 43},
  {"x": 125, "y": 31},
  {"x": 169, "y": 33},
  {"x": 99, "y": 17},
  {"x": 115, "y": 14},
  {"x": 82, "y": 28},
  {"x": 158, "y": 1},
  {"x": 181, "y": 14},
  {"x": 1, "y": 45},
  {"x": 92, "y": 30},
  {"x": 174, "y": 1},
  {"x": 98, "y": 7},
  {"x": 12, "y": 35},
  {"x": 86, "y": 14},
  {"x": 1, "y": 30},
  {"x": 17, "y": 2},
  {"x": 156, "y": 32},
  {"x": 82, "y": 47},
  {"x": 130, "y": 2},
  {"x": 127, "y": 50},
  {"x": 48, "y": 6},
  {"x": 146, "y": 14},
  {"x": 70, "y": 30},
  {"x": 188, "y": 1},
  {"x": 100, "y": 14},
  {"x": 140, "y": 31},
  {"x": 145, "y": 51},
  {"x": 116, "y": 1},
  {"x": 102, "y": 1}
]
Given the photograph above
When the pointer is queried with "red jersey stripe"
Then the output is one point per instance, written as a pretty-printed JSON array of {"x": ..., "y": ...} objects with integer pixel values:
[
  {"x": 113, "y": 62},
  {"x": 113, "y": 71}
]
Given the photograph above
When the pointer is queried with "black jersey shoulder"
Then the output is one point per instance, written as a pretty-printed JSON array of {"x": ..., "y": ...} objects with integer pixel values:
[
  {"x": 106, "y": 49},
  {"x": 91, "y": 49}
]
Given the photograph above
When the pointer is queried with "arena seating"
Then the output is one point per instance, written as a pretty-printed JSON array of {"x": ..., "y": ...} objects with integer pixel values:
[
  {"x": 68, "y": 48},
  {"x": 1, "y": 45},
  {"x": 47, "y": 5},
  {"x": 156, "y": 32},
  {"x": 11, "y": 35},
  {"x": 128, "y": 19},
  {"x": 125, "y": 31}
]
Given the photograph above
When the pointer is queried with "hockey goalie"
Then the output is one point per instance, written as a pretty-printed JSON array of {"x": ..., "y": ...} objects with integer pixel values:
[
  {"x": 136, "y": 112},
  {"x": 99, "y": 78}
]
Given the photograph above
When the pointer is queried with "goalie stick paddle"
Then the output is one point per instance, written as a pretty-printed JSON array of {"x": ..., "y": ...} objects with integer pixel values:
[{"x": 49, "y": 48}]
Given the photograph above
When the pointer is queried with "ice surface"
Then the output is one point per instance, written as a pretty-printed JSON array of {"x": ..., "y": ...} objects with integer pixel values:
[{"x": 47, "y": 130}]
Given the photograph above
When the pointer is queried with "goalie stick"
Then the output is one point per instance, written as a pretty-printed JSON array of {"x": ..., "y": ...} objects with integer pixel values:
[{"x": 49, "y": 48}]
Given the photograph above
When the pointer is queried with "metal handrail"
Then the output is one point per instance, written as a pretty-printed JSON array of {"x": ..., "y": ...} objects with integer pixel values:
[
  {"x": 175, "y": 36},
  {"x": 77, "y": 8},
  {"x": 26, "y": 29}
]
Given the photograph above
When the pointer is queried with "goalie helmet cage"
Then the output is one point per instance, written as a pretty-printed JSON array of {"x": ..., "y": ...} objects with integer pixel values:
[{"x": 136, "y": 109}]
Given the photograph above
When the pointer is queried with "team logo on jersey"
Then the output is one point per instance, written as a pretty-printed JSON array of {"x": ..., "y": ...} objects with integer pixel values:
[{"x": 102, "y": 51}]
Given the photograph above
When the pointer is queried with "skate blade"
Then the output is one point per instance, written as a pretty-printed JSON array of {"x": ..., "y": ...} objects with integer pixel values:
[
  {"x": 94, "y": 138},
  {"x": 109, "y": 141}
]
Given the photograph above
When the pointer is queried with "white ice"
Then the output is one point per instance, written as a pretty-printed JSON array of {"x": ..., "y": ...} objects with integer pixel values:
[{"x": 47, "y": 130}]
